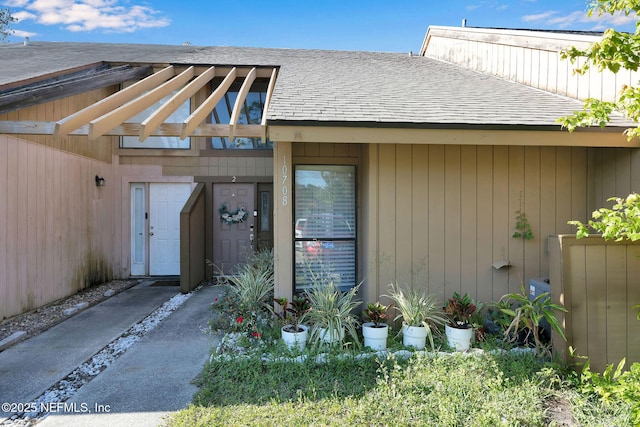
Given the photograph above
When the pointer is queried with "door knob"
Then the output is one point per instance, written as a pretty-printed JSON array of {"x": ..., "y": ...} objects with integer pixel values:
[{"x": 151, "y": 233}]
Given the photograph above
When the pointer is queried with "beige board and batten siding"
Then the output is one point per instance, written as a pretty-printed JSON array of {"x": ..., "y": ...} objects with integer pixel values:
[
  {"x": 598, "y": 281},
  {"x": 436, "y": 217},
  {"x": 528, "y": 57},
  {"x": 50, "y": 112},
  {"x": 56, "y": 227}
]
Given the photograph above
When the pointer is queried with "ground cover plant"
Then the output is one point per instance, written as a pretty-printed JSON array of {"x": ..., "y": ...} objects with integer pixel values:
[{"x": 252, "y": 378}]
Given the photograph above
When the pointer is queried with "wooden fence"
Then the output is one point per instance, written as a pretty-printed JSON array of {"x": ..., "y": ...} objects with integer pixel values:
[{"x": 598, "y": 282}]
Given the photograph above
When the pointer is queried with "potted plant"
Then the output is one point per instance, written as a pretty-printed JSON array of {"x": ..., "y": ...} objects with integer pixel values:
[
  {"x": 376, "y": 331},
  {"x": 421, "y": 317},
  {"x": 331, "y": 314},
  {"x": 294, "y": 333},
  {"x": 458, "y": 329}
]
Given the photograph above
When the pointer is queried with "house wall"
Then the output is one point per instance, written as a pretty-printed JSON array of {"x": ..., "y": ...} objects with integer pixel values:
[
  {"x": 616, "y": 174},
  {"x": 57, "y": 110},
  {"x": 528, "y": 57},
  {"x": 56, "y": 227},
  {"x": 437, "y": 217}
]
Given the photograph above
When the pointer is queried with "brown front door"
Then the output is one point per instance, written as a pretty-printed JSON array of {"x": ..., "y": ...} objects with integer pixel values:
[{"x": 232, "y": 240}]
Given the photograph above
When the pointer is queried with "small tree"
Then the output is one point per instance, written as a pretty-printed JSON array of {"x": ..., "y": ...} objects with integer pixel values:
[
  {"x": 620, "y": 222},
  {"x": 5, "y": 19},
  {"x": 614, "y": 51}
]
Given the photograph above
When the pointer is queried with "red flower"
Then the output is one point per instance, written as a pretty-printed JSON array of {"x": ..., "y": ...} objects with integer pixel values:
[
  {"x": 257, "y": 334},
  {"x": 239, "y": 319},
  {"x": 215, "y": 300}
]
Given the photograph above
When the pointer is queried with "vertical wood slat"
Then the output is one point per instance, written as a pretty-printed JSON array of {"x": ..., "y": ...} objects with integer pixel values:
[
  {"x": 32, "y": 220},
  {"x": 469, "y": 220},
  {"x": 404, "y": 208},
  {"x": 370, "y": 241},
  {"x": 4, "y": 204},
  {"x": 516, "y": 201},
  {"x": 12, "y": 226},
  {"x": 501, "y": 214},
  {"x": 563, "y": 181},
  {"x": 484, "y": 237},
  {"x": 387, "y": 217},
  {"x": 531, "y": 198},
  {"x": 547, "y": 203},
  {"x": 22, "y": 224},
  {"x": 633, "y": 299},
  {"x": 420, "y": 216},
  {"x": 596, "y": 300},
  {"x": 616, "y": 291},
  {"x": 452, "y": 220},
  {"x": 435, "y": 275}
]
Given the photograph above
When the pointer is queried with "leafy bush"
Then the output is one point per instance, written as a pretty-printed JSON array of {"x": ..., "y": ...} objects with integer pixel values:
[
  {"x": 620, "y": 222},
  {"x": 614, "y": 387}
]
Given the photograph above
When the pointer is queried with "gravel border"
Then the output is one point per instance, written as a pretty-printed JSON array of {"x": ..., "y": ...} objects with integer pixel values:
[{"x": 39, "y": 320}]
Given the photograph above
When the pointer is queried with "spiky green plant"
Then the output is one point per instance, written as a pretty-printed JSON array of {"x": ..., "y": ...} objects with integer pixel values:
[
  {"x": 418, "y": 309},
  {"x": 331, "y": 309},
  {"x": 527, "y": 315},
  {"x": 254, "y": 288}
]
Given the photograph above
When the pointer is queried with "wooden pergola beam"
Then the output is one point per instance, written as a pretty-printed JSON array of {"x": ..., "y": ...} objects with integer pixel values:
[
  {"x": 237, "y": 107},
  {"x": 84, "y": 116},
  {"x": 160, "y": 115},
  {"x": 201, "y": 113},
  {"x": 27, "y": 127},
  {"x": 35, "y": 94},
  {"x": 104, "y": 123},
  {"x": 267, "y": 100}
]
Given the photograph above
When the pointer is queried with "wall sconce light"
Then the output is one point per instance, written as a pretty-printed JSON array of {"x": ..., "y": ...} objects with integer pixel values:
[{"x": 99, "y": 181}]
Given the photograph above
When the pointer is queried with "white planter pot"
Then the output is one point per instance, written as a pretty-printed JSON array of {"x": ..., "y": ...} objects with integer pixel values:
[
  {"x": 375, "y": 338},
  {"x": 331, "y": 336},
  {"x": 459, "y": 339},
  {"x": 295, "y": 340},
  {"x": 414, "y": 336}
]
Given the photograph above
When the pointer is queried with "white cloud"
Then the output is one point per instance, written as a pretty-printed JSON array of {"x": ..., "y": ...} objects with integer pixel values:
[
  {"x": 539, "y": 16},
  {"x": 20, "y": 33},
  {"x": 89, "y": 15},
  {"x": 15, "y": 3},
  {"x": 579, "y": 19}
]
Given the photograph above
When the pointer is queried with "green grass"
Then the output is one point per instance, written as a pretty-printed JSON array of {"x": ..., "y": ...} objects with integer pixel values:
[{"x": 449, "y": 390}]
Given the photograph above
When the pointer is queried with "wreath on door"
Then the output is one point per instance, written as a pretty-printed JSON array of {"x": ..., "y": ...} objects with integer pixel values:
[{"x": 232, "y": 217}]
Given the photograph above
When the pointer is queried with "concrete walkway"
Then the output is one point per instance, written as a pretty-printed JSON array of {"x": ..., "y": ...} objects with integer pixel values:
[{"x": 147, "y": 382}]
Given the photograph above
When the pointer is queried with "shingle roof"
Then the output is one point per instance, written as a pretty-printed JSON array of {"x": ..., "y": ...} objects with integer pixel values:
[{"x": 351, "y": 87}]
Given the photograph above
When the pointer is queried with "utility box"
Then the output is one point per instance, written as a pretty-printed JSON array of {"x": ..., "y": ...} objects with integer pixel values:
[{"x": 538, "y": 286}]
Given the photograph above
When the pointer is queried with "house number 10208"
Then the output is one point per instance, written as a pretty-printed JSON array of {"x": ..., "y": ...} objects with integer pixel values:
[{"x": 285, "y": 175}]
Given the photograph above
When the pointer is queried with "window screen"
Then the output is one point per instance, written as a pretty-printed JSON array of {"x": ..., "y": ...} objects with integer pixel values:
[{"x": 325, "y": 226}]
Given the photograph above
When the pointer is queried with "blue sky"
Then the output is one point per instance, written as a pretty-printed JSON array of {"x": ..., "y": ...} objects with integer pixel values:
[{"x": 373, "y": 25}]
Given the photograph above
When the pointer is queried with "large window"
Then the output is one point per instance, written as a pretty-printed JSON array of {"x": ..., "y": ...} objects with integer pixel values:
[
  {"x": 250, "y": 114},
  {"x": 173, "y": 142},
  {"x": 325, "y": 226}
]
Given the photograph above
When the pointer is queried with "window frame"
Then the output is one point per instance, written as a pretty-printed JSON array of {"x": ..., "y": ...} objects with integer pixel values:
[{"x": 296, "y": 241}]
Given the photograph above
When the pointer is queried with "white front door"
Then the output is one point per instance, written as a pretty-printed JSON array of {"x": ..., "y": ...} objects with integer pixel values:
[{"x": 165, "y": 203}]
